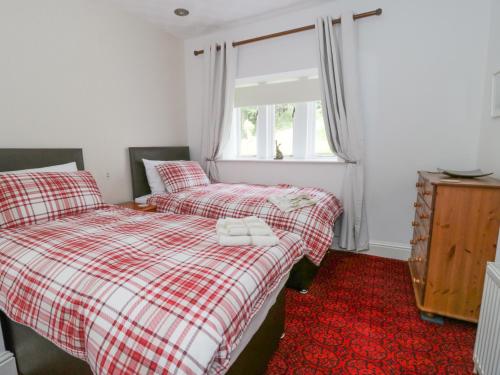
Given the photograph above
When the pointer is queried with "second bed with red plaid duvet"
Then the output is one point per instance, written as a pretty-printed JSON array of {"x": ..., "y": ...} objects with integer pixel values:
[
  {"x": 135, "y": 293},
  {"x": 314, "y": 223}
]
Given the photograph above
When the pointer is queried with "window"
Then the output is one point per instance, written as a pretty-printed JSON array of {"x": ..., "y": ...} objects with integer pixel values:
[
  {"x": 297, "y": 128},
  {"x": 248, "y": 131},
  {"x": 283, "y": 127},
  {"x": 282, "y": 109},
  {"x": 321, "y": 145}
]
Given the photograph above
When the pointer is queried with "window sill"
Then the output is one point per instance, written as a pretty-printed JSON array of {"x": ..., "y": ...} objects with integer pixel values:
[{"x": 284, "y": 161}]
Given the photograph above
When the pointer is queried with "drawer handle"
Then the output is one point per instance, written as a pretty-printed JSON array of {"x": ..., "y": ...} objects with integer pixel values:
[
  {"x": 424, "y": 216},
  {"x": 427, "y": 192},
  {"x": 422, "y": 238},
  {"x": 419, "y": 259},
  {"x": 413, "y": 242},
  {"x": 415, "y": 224},
  {"x": 417, "y": 204},
  {"x": 418, "y": 281},
  {"x": 419, "y": 184}
]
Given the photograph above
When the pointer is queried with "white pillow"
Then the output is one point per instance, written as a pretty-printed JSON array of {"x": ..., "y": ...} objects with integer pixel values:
[
  {"x": 154, "y": 180},
  {"x": 143, "y": 199},
  {"x": 68, "y": 167}
]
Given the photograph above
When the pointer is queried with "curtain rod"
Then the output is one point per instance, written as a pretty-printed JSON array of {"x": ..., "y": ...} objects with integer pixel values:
[{"x": 376, "y": 12}]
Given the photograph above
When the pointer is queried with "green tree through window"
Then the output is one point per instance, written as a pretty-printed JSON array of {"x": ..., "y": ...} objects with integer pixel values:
[
  {"x": 298, "y": 128},
  {"x": 248, "y": 131},
  {"x": 283, "y": 127}
]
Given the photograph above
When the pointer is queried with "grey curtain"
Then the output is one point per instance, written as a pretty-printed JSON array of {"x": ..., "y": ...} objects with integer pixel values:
[
  {"x": 338, "y": 73},
  {"x": 218, "y": 97}
]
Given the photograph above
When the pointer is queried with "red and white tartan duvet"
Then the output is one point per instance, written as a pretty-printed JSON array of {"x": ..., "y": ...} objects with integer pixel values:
[
  {"x": 137, "y": 293},
  {"x": 314, "y": 223}
]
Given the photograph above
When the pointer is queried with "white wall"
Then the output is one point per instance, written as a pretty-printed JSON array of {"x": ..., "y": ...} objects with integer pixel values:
[
  {"x": 422, "y": 68},
  {"x": 489, "y": 147},
  {"x": 83, "y": 73}
]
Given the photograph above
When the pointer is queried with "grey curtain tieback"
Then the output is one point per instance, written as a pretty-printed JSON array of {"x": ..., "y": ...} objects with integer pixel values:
[
  {"x": 210, "y": 159},
  {"x": 351, "y": 161}
]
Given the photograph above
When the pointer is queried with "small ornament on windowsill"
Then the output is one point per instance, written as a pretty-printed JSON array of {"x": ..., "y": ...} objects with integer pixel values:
[{"x": 279, "y": 154}]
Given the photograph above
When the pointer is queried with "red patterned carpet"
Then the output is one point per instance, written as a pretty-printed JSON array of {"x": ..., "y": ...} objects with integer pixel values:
[{"x": 360, "y": 318}]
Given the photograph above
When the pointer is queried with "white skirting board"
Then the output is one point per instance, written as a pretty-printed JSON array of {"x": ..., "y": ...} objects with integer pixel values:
[
  {"x": 7, "y": 361},
  {"x": 7, "y": 364},
  {"x": 390, "y": 250}
]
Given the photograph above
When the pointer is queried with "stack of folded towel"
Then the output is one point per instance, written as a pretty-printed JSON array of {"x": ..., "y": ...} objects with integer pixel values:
[
  {"x": 247, "y": 231},
  {"x": 292, "y": 201}
]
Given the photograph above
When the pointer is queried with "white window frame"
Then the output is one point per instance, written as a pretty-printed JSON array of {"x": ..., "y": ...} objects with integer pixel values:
[
  {"x": 304, "y": 133},
  {"x": 237, "y": 131},
  {"x": 300, "y": 131},
  {"x": 271, "y": 123},
  {"x": 312, "y": 138},
  {"x": 311, "y": 130},
  {"x": 264, "y": 132}
]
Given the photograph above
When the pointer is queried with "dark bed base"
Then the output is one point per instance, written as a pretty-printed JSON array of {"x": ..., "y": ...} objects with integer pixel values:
[
  {"x": 36, "y": 355},
  {"x": 302, "y": 275}
]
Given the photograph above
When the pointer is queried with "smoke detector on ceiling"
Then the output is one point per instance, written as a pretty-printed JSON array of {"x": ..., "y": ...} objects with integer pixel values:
[{"x": 181, "y": 12}]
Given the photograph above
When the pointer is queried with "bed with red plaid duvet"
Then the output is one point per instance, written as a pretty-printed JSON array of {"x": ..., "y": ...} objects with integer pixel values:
[
  {"x": 135, "y": 293},
  {"x": 314, "y": 223}
]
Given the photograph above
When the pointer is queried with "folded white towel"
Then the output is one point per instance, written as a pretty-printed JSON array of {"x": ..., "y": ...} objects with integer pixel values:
[
  {"x": 233, "y": 221},
  {"x": 297, "y": 196},
  {"x": 239, "y": 230},
  {"x": 246, "y": 231},
  {"x": 243, "y": 227},
  {"x": 290, "y": 202},
  {"x": 260, "y": 230},
  {"x": 231, "y": 228}
]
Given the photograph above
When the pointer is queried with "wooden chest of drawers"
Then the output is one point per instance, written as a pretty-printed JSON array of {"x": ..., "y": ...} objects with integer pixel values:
[{"x": 454, "y": 234}]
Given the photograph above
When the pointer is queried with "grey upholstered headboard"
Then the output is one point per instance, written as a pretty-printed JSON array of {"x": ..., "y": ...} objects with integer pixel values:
[
  {"x": 140, "y": 184},
  {"x": 12, "y": 159}
]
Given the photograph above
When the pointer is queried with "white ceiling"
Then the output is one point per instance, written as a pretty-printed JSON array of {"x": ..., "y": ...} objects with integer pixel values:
[{"x": 208, "y": 15}]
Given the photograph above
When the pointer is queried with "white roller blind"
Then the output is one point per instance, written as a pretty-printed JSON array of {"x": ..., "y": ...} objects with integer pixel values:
[{"x": 292, "y": 87}]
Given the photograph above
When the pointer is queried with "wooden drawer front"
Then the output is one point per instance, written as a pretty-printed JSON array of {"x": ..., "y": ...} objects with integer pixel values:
[
  {"x": 455, "y": 233},
  {"x": 426, "y": 190},
  {"x": 420, "y": 243},
  {"x": 422, "y": 257},
  {"x": 420, "y": 236},
  {"x": 465, "y": 229},
  {"x": 418, "y": 286},
  {"x": 423, "y": 214},
  {"x": 419, "y": 270}
]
